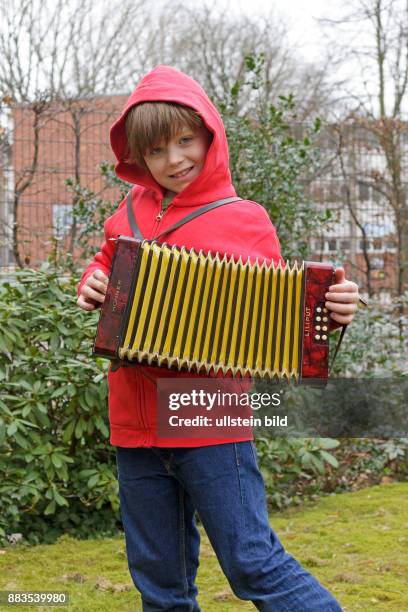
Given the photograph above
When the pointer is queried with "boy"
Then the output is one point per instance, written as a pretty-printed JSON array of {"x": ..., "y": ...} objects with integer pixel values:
[{"x": 170, "y": 142}]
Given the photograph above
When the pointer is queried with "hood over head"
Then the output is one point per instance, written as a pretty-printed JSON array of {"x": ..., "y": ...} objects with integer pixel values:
[{"x": 166, "y": 84}]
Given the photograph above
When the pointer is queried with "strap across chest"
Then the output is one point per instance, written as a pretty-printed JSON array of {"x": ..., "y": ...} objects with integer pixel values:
[{"x": 202, "y": 210}]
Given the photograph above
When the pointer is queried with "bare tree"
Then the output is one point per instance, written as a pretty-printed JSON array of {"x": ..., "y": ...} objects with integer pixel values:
[
  {"x": 378, "y": 102},
  {"x": 53, "y": 54},
  {"x": 210, "y": 43},
  {"x": 58, "y": 56},
  {"x": 345, "y": 155}
]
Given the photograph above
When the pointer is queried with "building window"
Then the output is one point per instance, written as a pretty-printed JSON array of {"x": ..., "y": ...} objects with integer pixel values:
[
  {"x": 375, "y": 194},
  {"x": 332, "y": 244},
  {"x": 367, "y": 245},
  {"x": 377, "y": 263},
  {"x": 61, "y": 219},
  {"x": 345, "y": 245},
  {"x": 332, "y": 193},
  {"x": 377, "y": 244},
  {"x": 363, "y": 192},
  {"x": 319, "y": 246},
  {"x": 344, "y": 192}
]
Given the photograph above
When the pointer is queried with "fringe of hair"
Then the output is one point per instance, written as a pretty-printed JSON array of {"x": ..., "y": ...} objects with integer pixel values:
[{"x": 151, "y": 123}]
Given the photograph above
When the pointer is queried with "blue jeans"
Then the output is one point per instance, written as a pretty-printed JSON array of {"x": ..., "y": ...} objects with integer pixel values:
[{"x": 160, "y": 490}]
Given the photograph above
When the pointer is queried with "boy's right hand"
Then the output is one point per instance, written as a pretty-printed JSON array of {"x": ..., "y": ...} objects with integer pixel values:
[{"x": 93, "y": 291}]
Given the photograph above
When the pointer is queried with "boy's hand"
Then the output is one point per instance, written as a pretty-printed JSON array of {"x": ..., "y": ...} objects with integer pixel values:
[
  {"x": 93, "y": 291},
  {"x": 342, "y": 298}
]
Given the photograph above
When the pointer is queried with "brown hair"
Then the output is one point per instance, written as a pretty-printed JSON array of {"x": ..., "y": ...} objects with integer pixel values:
[{"x": 150, "y": 123}]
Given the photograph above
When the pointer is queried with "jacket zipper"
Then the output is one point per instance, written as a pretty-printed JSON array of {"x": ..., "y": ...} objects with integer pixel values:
[{"x": 159, "y": 217}]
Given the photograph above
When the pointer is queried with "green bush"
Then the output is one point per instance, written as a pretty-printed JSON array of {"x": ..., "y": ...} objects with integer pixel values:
[
  {"x": 376, "y": 343},
  {"x": 57, "y": 470},
  {"x": 295, "y": 469},
  {"x": 89, "y": 213},
  {"x": 273, "y": 158},
  {"x": 290, "y": 465}
]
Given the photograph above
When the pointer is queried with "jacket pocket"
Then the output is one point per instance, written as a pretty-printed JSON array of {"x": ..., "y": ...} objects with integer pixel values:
[{"x": 132, "y": 399}]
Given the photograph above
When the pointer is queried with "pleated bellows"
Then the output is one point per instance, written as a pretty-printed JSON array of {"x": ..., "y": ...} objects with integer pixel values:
[{"x": 202, "y": 312}]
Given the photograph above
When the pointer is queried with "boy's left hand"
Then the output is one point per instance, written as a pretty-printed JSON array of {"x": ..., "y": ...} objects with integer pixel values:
[{"x": 342, "y": 298}]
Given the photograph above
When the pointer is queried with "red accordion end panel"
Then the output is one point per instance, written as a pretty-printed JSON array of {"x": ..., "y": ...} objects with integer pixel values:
[
  {"x": 116, "y": 299},
  {"x": 316, "y": 321}
]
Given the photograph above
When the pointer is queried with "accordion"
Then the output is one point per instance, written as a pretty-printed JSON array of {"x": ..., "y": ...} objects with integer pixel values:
[{"x": 181, "y": 309}]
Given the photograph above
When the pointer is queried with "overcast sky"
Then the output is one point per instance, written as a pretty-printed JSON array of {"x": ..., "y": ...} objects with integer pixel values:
[
  {"x": 301, "y": 15},
  {"x": 312, "y": 41}
]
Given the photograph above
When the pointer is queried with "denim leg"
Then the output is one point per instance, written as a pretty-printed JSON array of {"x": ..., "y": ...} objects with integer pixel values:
[
  {"x": 228, "y": 491},
  {"x": 162, "y": 540}
]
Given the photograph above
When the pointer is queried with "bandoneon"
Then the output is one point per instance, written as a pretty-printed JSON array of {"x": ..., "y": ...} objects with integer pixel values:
[{"x": 186, "y": 310}]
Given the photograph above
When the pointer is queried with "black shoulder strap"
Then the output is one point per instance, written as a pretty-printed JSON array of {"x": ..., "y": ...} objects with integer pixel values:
[
  {"x": 131, "y": 217},
  {"x": 136, "y": 231},
  {"x": 197, "y": 213},
  {"x": 339, "y": 341}
]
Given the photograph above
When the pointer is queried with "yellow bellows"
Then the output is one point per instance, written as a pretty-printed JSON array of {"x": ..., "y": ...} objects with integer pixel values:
[{"x": 200, "y": 312}]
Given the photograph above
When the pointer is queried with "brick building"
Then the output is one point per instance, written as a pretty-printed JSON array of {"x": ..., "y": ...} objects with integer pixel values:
[
  {"x": 363, "y": 232},
  {"x": 40, "y": 153}
]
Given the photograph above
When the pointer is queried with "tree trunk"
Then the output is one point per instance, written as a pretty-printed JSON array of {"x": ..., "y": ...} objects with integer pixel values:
[
  {"x": 402, "y": 280},
  {"x": 26, "y": 180},
  {"x": 76, "y": 118}
]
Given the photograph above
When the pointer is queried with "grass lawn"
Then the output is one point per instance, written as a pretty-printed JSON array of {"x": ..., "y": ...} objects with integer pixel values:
[{"x": 355, "y": 543}]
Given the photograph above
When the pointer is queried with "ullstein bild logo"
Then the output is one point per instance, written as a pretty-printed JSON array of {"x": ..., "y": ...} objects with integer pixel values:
[
  {"x": 116, "y": 295},
  {"x": 308, "y": 313}
]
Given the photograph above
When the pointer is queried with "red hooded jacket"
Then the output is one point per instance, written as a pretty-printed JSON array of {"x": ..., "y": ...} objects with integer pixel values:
[{"x": 242, "y": 228}]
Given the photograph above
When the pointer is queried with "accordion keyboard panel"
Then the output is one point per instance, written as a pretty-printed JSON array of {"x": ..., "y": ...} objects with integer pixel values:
[{"x": 201, "y": 312}]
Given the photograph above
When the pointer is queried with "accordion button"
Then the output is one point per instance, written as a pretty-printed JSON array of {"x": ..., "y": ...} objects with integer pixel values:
[
  {"x": 324, "y": 309},
  {"x": 318, "y": 309},
  {"x": 325, "y": 319},
  {"x": 317, "y": 337},
  {"x": 319, "y": 319},
  {"x": 318, "y": 327},
  {"x": 324, "y": 337},
  {"x": 324, "y": 328}
]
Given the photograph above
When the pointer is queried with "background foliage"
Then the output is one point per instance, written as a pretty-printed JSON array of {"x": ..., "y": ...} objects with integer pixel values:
[
  {"x": 376, "y": 344},
  {"x": 273, "y": 157},
  {"x": 57, "y": 470}
]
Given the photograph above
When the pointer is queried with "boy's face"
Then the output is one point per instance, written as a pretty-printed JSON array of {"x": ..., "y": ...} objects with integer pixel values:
[{"x": 175, "y": 164}]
